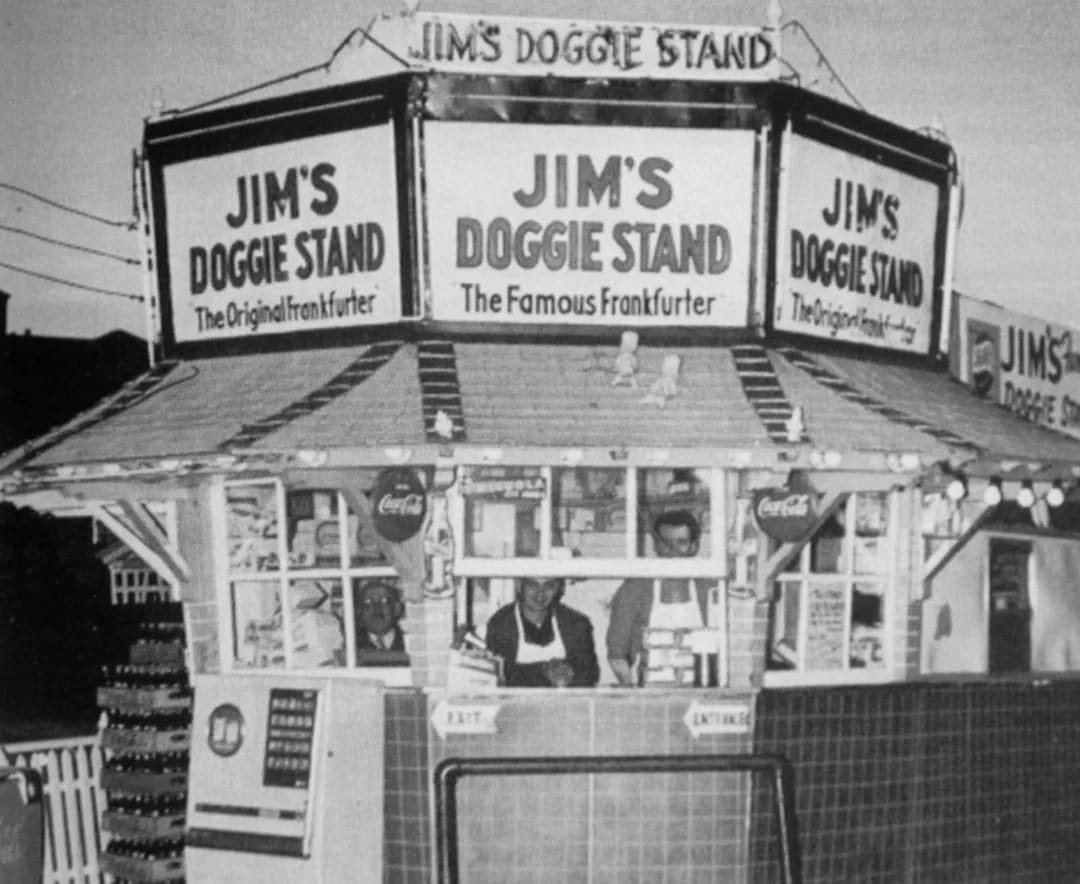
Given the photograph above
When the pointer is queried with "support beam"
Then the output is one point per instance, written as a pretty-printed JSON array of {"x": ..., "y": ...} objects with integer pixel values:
[
  {"x": 776, "y": 563},
  {"x": 167, "y": 563}
]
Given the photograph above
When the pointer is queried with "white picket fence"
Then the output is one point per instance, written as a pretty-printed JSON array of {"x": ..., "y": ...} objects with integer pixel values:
[{"x": 70, "y": 772}]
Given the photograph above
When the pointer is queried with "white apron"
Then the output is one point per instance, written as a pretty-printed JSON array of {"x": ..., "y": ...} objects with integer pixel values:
[
  {"x": 527, "y": 652},
  {"x": 675, "y": 615}
]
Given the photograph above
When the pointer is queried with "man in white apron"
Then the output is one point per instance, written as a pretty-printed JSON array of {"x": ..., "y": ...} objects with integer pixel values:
[
  {"x": 543, "y": 642},
  {"x": 657, "y": 604}
]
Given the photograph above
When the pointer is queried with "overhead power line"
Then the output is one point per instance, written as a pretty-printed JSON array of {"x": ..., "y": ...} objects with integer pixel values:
[
  {"x": 75, "y": 285},
  {"x": 324, "y": 66},
  {"x": 69, "y": 245},
  {"x": 128, "y": 225}
]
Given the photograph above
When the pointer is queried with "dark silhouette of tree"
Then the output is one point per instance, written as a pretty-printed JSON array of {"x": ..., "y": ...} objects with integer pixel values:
[{"x": 54, "y": 616}]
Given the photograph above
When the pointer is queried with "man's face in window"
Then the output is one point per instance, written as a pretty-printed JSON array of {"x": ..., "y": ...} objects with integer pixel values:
[
  {"x": 538, "y": 595},
  {"x": 675, "y": 541},
  {"x": 379, "y": 607}
]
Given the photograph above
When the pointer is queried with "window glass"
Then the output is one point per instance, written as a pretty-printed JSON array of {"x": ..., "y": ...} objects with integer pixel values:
[
  {"x": 318, "y": 630},
  {"x": 502, "y": 511},
  {"x": 867, "y": 626},
  {"x": 364, "y": 549},
  {"x": 257, "y": 625},
  {"x": 253, "y": 527},
  {"x": 829, "y": 613},
  {"x": 589, "y": 512},
  {"x": 826, "y": 625},
  {"x": 314, "y": 535},
  {"x": 784, "y": 652},
  {"x": 312, "y": 627},
  {"x": 673, "y": 513},
  {"x": 827, "y": 544},
  {"x": 871, "y": 528}
]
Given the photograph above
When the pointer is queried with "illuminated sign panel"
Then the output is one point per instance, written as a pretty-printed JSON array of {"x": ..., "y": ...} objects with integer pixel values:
[
  {"x": 856, "y": 250},
  {"x": 589, "y": 225},
  {"x": 541, "y": 47},
  {"x": 290, "y": 237},
  {"x": 1030, "y": 366}
]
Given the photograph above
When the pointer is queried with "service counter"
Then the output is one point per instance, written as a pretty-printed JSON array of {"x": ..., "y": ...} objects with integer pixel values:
[{"x": 610, "y": 826}]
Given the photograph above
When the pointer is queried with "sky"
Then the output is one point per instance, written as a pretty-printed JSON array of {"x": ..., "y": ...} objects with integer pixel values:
[{"x": 79, "y": 78}]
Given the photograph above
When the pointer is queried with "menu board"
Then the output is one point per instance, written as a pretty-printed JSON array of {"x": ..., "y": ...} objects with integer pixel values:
[
  {"x": 825, "y": 626},
  {"x": 290, "y": 737}
]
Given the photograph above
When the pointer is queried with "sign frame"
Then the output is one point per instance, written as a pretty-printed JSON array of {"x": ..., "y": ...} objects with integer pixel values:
[
  {"x": 212, "y": 134},
  {"x": 830, "y": 124}
]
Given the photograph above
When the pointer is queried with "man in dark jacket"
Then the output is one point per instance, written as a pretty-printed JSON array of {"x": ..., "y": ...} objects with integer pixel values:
[
  {"x": 378, "y": 608},
  {"x": 543, "y": 642}
]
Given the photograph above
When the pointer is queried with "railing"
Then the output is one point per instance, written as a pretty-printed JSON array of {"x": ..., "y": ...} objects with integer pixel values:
[{"x": 70, "y": 771}]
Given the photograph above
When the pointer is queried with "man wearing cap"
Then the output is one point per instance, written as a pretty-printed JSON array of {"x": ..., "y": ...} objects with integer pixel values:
[
  {"x": 543, "y": 643},
  {"x": 657, "y": 604}
]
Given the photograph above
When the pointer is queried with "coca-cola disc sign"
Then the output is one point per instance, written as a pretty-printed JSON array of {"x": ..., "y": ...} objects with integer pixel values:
[
  {"x": 398, "y": 504},
  {"x": 783, "y": 514}
]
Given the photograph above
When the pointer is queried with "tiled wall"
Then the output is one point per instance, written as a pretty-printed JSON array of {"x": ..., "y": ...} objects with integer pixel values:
[
  {"x": 929, "y": 783},
  {"x": 654, "y": 828},
  {"x": 406, "y": 807}
]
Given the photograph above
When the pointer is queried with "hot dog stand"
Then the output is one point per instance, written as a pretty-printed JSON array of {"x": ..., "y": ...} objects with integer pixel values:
[{"x": 480, "y": 308}]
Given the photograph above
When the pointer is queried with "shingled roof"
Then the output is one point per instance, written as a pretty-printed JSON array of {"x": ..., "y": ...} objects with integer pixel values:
[{"x": 535, "y": 394}]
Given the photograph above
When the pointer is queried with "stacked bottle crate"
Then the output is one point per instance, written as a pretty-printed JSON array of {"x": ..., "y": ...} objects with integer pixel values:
[{"x": 146, "y": 703}]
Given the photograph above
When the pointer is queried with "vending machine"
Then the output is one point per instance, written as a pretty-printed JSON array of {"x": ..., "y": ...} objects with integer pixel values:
[{"x": 286, "y": 781}]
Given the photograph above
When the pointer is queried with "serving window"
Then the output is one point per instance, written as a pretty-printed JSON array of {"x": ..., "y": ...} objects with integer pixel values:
[
  {"x": 309, "y": 586},
  {"x": 831, "y": 615},
  {"x": 594, "y": 528},
  {"x": 538, "y": 517}
]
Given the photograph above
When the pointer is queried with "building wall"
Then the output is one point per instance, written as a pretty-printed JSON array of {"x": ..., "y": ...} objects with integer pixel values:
[{"x": 929, "y": 784}]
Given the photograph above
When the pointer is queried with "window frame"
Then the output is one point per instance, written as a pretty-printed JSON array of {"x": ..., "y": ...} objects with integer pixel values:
[
  {"x": 283, "y": 576},
  {"x": 713, "y": 565},
  {"x": 887, "y": 578}
]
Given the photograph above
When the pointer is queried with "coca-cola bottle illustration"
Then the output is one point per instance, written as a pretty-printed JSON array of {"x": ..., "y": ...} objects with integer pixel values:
[
  {"x": 438, "y": 549},
  {"x": 742, "y": 549}
]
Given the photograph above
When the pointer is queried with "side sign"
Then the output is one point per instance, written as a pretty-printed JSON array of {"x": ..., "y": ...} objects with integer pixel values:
[
  {"x": 856, "y": 250},
  {"x": 706, "y": 719},
  {"x": 464, "y": 718},
  {"x": 289, "y": 237},
  {"x": 596, "y": 225},
  {"x": 1029, "y": 365}
]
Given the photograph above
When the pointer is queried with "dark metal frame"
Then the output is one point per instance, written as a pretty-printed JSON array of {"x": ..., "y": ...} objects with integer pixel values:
[{"x": 450, "y": 770}]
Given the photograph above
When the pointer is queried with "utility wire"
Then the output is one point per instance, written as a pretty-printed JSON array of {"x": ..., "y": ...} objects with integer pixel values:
[
  {"x": 284, "y": 78},
  {"x": 69, "y": 245},
  {"x": 823, "y": 59},
  {"x": 76, "y": 285},
  {"x": 129, "y": 225}
]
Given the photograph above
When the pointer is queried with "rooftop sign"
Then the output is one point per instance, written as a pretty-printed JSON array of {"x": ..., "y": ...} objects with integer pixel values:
[
  {"x": 594, "y": 225},
  {"x": 541, "y": 47},
  {"x": 295, "y": 236},
  {"x": 856, "y": 250}
]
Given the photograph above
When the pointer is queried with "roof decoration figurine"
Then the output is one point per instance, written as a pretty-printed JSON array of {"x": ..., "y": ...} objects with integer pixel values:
[
  {"x": 444, "y": 425},
  {"x": 667, "y": 385},
  {"x": 626, "y": 362},
  {"x": 795, "y": 425}
]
